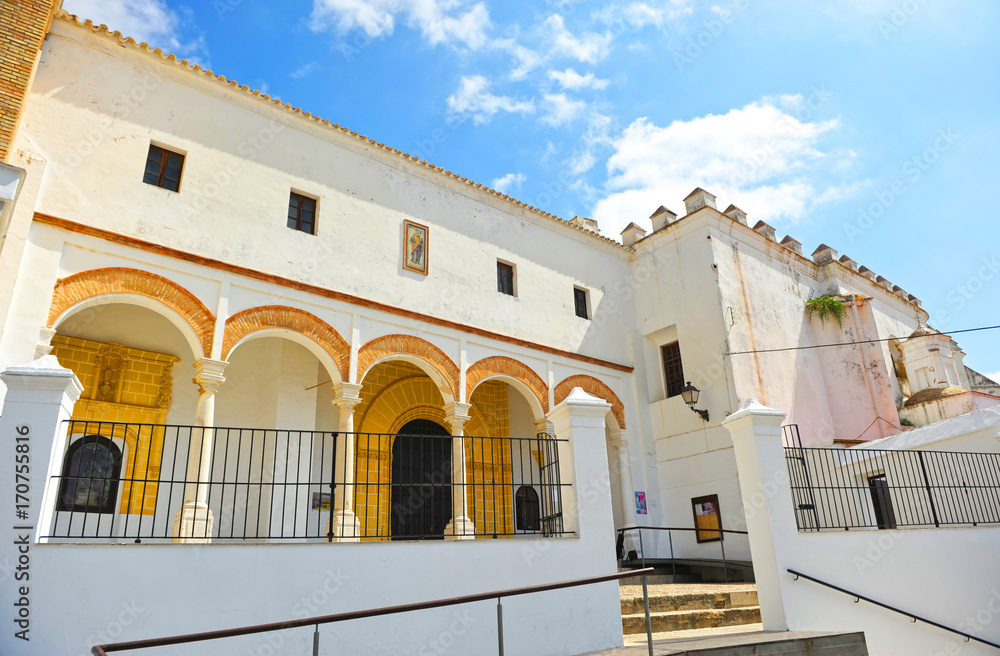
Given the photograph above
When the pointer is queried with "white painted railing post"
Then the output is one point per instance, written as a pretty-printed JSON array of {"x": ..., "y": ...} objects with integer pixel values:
[
  {"x": 767, "y": 502},
  {"x": 40, "y": 397}
]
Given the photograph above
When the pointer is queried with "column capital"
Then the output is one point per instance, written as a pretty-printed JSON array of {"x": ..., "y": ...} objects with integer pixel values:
[
  {"x": 457, "y": 414},
  {"x": 208, "y": 374},
  {"x": 346, "y": 395},
  {"x": 618, "y": 438}
]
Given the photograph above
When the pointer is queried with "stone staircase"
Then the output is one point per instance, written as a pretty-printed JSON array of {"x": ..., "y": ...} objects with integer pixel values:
[{"x": 686, "y": 607}]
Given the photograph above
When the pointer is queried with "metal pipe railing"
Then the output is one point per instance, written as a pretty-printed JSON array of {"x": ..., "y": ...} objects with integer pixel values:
[
  {"x": 913, "y": 617},
  {"x": 670, "y": 529},
  {"x": 103, "y": 650}
]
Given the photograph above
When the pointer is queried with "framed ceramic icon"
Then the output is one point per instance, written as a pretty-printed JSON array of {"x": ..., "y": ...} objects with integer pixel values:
[{"x": 415, "y": 247}]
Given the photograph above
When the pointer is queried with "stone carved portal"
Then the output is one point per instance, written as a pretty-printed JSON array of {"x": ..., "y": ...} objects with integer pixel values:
[{"x": 421, "y": 473}]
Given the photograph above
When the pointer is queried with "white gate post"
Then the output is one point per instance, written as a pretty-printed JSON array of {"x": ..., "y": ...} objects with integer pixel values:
[{"x": 767, "y": 502}]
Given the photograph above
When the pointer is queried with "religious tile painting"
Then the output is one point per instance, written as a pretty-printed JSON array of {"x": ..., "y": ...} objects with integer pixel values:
[{"x": 415, "y": 247}]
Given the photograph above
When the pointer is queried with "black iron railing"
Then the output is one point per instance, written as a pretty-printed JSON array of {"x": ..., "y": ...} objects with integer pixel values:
[
  {"x": 874, "y": 488},
  {"x": 148, "y": 482},
  {"x": 661, "y": 558},
  {"x": 914, "y": 618}
]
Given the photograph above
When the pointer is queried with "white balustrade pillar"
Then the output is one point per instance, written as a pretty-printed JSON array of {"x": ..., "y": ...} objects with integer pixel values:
[
  {"x": 345, "y": 526},
  {"x": 193, "y": 522},
  {"x": 40, "y": 398},
  {"x": 460, "y": 527},
  {"x": 767, "y": 502}
]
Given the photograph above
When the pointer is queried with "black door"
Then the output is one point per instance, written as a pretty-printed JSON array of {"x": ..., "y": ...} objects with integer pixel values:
[
  {"x": 421, "y": 481},
  {"x": 882, "y": 502}
]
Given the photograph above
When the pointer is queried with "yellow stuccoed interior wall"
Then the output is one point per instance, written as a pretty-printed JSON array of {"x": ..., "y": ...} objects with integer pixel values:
[
  {"x": 395, "y": 393},
  {"x": 123, "y": 385}
]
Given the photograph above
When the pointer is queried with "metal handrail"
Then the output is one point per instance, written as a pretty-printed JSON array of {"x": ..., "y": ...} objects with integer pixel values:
[
  {"x": 913, "y": 617},
  {"x": 722, "y": 542},
  {"x": 102, "y": 650}
]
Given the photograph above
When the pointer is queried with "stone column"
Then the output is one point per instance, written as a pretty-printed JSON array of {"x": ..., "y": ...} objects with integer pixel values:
[
  {"x": 193, "y": 522},
  {"x": 460, "y": 527},
  {"x": 767, "y": 501},
  {"x": 620, "y": 444},
  {"x": 344, "y": 526}
]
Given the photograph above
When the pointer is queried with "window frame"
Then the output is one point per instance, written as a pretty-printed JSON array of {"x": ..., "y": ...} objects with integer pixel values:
[
  {"x": 577, "y": 293},
  {"x": 165, "y": 154},
  {"x": 292, "y": 194},
  {"x": 513, "y": 278},
  {"x": 66, "y": 477},
  {"x": 672, "y": 388}
]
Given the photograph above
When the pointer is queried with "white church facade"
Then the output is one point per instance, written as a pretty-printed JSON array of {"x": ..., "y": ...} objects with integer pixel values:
[{"x": 315, "y": 374}]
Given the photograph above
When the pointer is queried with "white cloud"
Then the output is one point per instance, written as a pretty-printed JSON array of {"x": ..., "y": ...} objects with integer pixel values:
[
  {"x": 641, "y": 14},
  {"x": 527, "y": 59},
  {"x": 150, "y": 21},
  {"x": 474, "y": 99},
  {"x": 560, "y": 109},
  {"x": 448, "y": 22},
  {"x": 509, "y": 182},
  {"x": 304, "y": 71},
  {"x": 596, "y": 138},
  {"x": 587, "y": 47},
  {"x": 995, "y": 376},
  {"x": 570, "y": 79},
  {"x": 759, "y": 157}
]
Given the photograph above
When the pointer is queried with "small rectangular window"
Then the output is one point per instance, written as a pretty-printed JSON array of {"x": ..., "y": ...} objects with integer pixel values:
[
  {"x": 163, "y": 168},
  {"x": 302, "y": 213},
  {"x": 672, "y": 369},
  {"x": 580, "y": 301},
  {"x": 505, "y": 278}
]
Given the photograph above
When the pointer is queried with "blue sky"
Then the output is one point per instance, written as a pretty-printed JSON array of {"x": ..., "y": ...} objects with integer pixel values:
[{"x": 869, "y": 125}]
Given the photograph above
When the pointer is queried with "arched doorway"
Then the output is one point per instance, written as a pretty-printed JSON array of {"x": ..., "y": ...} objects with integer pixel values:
[{"x": 421, "y": 474}]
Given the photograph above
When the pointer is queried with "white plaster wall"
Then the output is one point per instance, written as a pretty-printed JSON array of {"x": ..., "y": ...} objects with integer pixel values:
[{"x": 364, "y": 195}]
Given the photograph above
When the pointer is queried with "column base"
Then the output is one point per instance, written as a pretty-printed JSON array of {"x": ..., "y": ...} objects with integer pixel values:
[
  {"x": 345, "y": 526},
  {"x": 193, "y": 524},
  {"x": 460, "y": 528}
]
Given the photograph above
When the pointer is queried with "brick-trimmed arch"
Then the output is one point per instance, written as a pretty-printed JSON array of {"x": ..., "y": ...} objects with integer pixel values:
[
  {"x": 498, "y": 365},
  {"x": 591, "y": 385},
  {"x": 94, "y": 283},
  {"x": 389, "y": 345},
  {"x": 281, "y": 317}
]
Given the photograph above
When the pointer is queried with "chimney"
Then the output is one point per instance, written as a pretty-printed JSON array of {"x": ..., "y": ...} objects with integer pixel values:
[
  {"x": 631, "y": 234},
  {"x": 824, "y": 254},
  {"x": 736, "y": 214},
  {"x": 661, "y": 218},
  {"x": 698, "y": 199},
  {"x": 792, "y": 244},
  {"x": 765, "y": 230},
  {"x": 585, "y": 223}
]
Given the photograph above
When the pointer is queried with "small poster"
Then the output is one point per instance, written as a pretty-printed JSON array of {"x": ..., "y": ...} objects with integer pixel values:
[
  {"x": 706, "y": 517},
  {"x": 640, "y": 503},
  {"x": 415, "y": 247},
  {"x": 321, "y": 501}
]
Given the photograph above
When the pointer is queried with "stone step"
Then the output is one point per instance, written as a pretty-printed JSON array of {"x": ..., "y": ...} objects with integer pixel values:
[
  {"x": 682, "y": 620},
  {"x": 786, "y": 643},
  {"x": 689, "y": 601},
  {"x": 661, "y": 579}
]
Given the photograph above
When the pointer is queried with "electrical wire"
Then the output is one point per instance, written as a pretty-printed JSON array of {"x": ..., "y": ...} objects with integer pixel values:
[{"x": 867, "y": 341}]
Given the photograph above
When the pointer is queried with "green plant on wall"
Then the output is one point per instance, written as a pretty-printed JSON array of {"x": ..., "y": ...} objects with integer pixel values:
[{"x": 826, "y": 307}]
